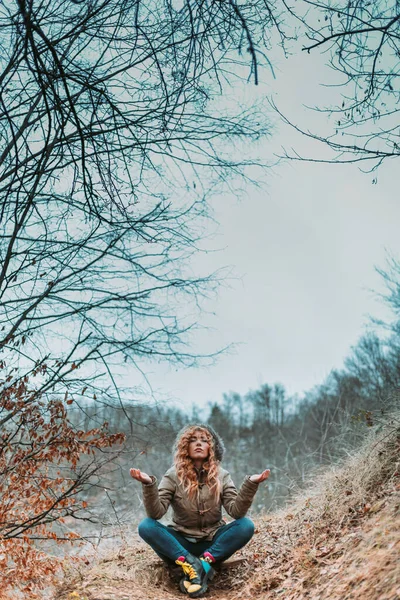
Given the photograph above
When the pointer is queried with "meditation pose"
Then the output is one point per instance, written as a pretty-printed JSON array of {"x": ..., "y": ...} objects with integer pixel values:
[{"x": 197, "y": 488}]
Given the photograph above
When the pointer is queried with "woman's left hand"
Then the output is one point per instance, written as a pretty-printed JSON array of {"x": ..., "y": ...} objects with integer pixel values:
[{"x": 259, "y": 477}]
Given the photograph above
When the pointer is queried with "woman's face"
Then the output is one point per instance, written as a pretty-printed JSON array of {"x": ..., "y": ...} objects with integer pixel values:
[{"x": 199, "y": 448}]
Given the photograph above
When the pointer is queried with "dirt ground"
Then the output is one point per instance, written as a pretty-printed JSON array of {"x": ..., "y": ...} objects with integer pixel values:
[
  {"x": 342, "y": 542},
  {"x": 360, "y": 561}
]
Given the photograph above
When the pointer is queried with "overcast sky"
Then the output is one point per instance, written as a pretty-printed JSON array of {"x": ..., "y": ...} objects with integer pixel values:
[{"x": 304, "y": 249}]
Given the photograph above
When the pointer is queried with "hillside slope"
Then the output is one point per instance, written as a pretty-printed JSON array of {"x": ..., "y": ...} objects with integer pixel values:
[{"x": 342, "y": 541}]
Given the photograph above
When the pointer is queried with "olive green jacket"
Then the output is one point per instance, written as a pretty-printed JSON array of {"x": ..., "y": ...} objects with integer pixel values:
[{"x": 201, "y": 517}]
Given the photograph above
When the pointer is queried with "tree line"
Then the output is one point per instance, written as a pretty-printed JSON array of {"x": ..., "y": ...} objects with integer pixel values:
[{"x": 266, "y": 426}]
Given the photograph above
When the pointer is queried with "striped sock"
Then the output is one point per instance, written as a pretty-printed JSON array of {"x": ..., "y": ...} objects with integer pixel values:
[{"x": 208, "y": 558}]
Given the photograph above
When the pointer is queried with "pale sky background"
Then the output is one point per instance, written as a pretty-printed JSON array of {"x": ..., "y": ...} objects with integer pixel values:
[{"x": 304, "y": 248}]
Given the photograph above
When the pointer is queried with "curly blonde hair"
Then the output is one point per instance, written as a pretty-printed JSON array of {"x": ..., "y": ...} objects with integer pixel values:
[{"x": 185, "y": 468}]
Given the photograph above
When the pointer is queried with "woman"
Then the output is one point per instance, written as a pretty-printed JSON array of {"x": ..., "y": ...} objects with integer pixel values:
[{"x": 197, "y": 487}]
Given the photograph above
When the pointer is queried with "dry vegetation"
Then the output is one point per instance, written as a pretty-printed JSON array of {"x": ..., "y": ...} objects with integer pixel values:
[{"x": 342, "y": 541}]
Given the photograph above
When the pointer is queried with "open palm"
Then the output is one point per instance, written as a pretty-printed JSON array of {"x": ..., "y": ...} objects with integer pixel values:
[
  {"x": 140, "y": 476},
  {"x": 259, "y": 477}
]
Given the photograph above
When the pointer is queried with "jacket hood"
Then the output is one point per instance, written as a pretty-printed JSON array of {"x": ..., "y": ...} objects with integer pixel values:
[{"x": 219, "y": 447}]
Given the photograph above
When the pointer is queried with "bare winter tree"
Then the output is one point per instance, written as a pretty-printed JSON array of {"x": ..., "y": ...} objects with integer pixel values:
[
  {"x": 112, "y": 133},
  {"x": 362, "y": 42}
]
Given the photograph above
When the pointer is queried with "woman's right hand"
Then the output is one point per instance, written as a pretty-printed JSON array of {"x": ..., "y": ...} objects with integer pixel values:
[{"x": 140, "y": 476}]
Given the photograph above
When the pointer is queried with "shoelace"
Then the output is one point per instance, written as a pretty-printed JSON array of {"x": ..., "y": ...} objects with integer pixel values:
[{"x": 188, "y": 569}]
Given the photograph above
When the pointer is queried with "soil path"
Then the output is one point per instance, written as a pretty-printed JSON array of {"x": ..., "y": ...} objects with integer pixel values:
[
  {"x": 287, "y": 559},
  {"x": 341, "y": 543},
  {"x": 134, "y": 575}
]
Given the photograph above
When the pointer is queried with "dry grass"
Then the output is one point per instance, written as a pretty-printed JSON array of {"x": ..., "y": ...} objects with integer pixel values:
[{"x": 341, "y": 542}]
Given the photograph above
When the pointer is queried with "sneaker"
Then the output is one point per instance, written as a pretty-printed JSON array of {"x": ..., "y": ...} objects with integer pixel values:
[
  {"x": 197, "y": 573},
  {"x": 195, "y": 591},
  {"x": 185, "y": 582}
]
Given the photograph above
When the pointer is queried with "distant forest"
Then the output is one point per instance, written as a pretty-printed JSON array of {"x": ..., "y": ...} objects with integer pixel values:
[{"x": 263, "y": 428}]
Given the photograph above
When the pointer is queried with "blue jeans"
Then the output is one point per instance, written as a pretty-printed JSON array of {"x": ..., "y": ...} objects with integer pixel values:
[{"x": 170, "y": 544}]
